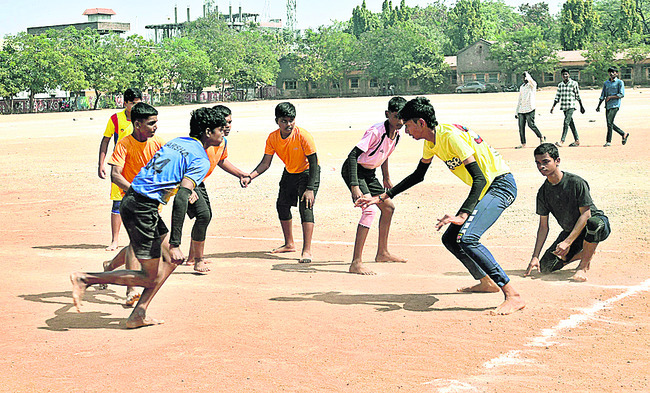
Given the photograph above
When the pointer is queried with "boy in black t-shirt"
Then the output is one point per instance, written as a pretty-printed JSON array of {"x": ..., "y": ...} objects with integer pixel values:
[{"x": 567, "y": 197}]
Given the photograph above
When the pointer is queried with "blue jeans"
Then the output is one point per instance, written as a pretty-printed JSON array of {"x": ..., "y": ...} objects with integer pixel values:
[{"x": 463, "y": 240}]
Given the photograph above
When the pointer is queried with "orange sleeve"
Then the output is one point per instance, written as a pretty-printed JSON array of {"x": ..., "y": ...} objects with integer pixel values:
[
  {"x": 307, "y": 143},
  {"x": 118, "y": 158},
  {"x": 269, "y": 149}
]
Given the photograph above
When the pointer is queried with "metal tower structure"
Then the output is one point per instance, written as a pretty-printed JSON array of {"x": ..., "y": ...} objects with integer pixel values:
[
  {"x": 291, "y": 15},
  {"x": 266, "y": 11}
]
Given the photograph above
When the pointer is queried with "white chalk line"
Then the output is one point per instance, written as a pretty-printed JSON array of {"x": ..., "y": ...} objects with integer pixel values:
[{"x": 545, "y": 339}]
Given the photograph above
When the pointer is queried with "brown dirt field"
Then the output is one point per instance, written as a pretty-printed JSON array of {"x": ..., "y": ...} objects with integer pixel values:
[{"x": 264, "y": 323}]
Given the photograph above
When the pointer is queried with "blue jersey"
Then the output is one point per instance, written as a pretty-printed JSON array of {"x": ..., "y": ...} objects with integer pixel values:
[{"x": 177, "y": 159}]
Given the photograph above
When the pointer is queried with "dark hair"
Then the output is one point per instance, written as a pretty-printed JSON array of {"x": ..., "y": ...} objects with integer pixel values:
[
  {"x": 142, "y": 111},
  {"x": 612, "y": 69},
  {"x": 396, "y": 104},
  {"x": 205, "y": 118},
  {"x": 224, "y": 110},
  {"x": 549, "y": 148},
  {"x": 565, "y": 70},
  {"x": 285, "y": 109},
  {"x": 131, "y": 94},
  {"x": 419, "y": 108}
]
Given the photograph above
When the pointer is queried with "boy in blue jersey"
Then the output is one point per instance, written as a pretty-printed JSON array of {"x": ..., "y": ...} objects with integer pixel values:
[{"x": 180, "y": 165}]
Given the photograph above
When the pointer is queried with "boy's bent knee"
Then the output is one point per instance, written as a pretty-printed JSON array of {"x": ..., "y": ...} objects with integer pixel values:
[{"x": 368, "y": 215}]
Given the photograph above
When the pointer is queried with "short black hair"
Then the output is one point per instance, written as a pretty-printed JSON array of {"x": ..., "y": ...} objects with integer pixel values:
[
  {"x": 396, "y": 104},
  {"x": 565, "y": 70},
  {"x": 549, "y": 148},
  {"x": 205, "y": 118},
  {"x": 224, "y": 110},
  {"x": 131, "y": 94},
  {"x": 612, "y": 69},
  {"x": 419, "y": 108},
  {"x": 285, "y": 109},
  {"x": 142, "y": 111}
]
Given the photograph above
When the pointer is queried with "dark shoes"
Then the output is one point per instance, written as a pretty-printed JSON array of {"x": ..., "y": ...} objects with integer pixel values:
[{"x": 625, "y": 138}]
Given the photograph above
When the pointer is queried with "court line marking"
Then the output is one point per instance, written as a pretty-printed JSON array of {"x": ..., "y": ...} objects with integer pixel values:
[{"x": 545, "y": 339}]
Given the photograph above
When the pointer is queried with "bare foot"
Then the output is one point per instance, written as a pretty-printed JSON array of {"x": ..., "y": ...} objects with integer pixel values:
[
  {"x": 579, "y": 276},
  {"x": 188, "y": 262},
  {"x": 510, "y": 305},
  {"x": 357, "y": 267},
  {"x": 284, "y": 248},
  {"x": 388, "y": 257},
  {"x": 107, "y": 265},
  {"x": 200, "y": 267},
  {"x": 482, "y": 287},
  {"x": 140, "y": 319},
  {"x": 132, "y": 298},
  {"x": 305, "y": 257},
  {"x": 112, "y": 247},
  {"x": 78, "y": 289}
]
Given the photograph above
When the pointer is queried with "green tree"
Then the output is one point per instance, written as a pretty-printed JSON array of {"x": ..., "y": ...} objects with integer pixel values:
[
  {"x": 11, "y": 72},
  {"x": 144, "y": 64},
  {"x": 599, "y": 56},
  {"x": 466, "y": 24},
  {"x": 363, "y": 20},
  {"x": 578, "y": 21},
  {"x": 498, "y": 17},
  {"x": 629, "y": 22},
  {"x": 525, "y": 50}
]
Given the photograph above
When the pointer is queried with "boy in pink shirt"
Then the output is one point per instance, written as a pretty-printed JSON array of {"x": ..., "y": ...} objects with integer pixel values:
[{"x": 358, "y": 171}]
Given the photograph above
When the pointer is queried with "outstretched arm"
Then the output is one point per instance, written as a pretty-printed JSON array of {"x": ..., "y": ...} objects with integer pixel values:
[
  {"x": 478, "y": 184},
  {"x": 409, "y": 181},
  {"x": 259, "y": 169},
  {"x": 232, "y": 169},
  {"x": 542, "y": 233}
]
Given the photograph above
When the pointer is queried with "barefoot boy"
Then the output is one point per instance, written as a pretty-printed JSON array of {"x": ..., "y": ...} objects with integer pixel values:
[
  {"x": 132, "y": 153},
  {"x": 119, "y": 126},
  {"x": 300, "y": 178},
  {"x": 200, "y": 209},
  {"x": 358, "y": 171},
  {"x": 493, "y": 189},
  {"x": 567, "y": 197},
  {"x": 180, "y": 165}
]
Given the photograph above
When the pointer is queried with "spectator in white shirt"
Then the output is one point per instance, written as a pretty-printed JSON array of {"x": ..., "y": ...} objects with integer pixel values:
[{"x": 525, "y": 112}]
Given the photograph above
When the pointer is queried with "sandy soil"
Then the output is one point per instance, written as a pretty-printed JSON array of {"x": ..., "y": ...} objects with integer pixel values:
[{"x": 264, "y": 323}]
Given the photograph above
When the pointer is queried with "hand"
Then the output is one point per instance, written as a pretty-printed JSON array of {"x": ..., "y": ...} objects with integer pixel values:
[
  {"x": 356, "y": 193},
  {"x": 562, "y": 249},
  {"x": 449, "y": 219},
  {"x": 608, "y": 98},
  {"x": 245, "y": 181},
  {"x": 533, "y": 265},
  {"x": 517, "y": 116},
  {"x": 101, "y": 172},
  {"x": 176, "y": 255},
  {"x": 193, "y": 197},
  {"x": 551, "y": 110},
  {"x": 582, "y": 109},
  {"x": 308, "y": 197},
  {"x": 388, "y": 184},
  {"x": 598, "y": 109},
  {"x": 366, "y": 201}
]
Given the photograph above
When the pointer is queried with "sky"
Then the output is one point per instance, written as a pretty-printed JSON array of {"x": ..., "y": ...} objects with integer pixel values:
[{"x": 16, "y": 16}]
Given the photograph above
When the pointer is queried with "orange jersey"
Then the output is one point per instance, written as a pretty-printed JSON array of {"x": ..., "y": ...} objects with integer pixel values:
[
  {"x": 132, "y": 155},
  {"x": 217, "y": 154},
  {"x": 293, "y": 150}
]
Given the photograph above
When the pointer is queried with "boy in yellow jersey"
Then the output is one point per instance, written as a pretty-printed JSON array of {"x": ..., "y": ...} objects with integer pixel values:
[
  {"x": 119, "y": 126},
  {"x": 201, "y": 209},
  {"x": 493, "y": 189},
  {"x": 131, "y": 153},
  {"x": 300, "y": 178}
]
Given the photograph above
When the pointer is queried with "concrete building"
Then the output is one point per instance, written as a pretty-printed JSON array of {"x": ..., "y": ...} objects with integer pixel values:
[{"x": 98, "y": 19}]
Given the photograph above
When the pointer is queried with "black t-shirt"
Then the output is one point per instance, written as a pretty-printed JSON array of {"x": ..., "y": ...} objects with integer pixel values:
[{"x": 565, "y": 199}]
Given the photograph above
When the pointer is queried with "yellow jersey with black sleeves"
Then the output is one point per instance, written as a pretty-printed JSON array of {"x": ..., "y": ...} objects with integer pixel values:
[{"x": 456, "y": 143}]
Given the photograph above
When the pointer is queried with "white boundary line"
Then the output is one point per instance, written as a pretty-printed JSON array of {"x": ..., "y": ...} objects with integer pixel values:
[{"x": 545, "y": 339}]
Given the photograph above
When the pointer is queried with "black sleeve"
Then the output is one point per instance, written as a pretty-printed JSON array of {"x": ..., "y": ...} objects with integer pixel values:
[
  {"x": 313, "y": 171},
  {"x": 409, "y": 181},
  {"x": 478, "y": 183},
  {"x": 181, "y": 200},
  {"x": 352, "y": 164}
]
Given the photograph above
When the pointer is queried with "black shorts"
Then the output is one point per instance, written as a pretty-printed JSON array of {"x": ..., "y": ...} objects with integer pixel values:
[
  {"x": 293, "y": 185},
  {"x": 143, "y": 224},
  {"x": 368, "y": 182},
  {"x": 201, "y": 204},
  {"x": 596, "y": 230}
]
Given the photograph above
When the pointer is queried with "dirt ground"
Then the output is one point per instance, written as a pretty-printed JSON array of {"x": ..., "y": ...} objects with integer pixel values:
[{"x": 264, "y": 323}]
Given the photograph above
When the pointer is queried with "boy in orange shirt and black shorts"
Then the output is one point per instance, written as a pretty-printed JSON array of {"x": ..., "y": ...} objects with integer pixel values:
[{"x": 300, "y": 178}]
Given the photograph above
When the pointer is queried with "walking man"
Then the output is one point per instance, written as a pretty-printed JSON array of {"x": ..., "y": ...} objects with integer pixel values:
[
  {"x": 613, "y": 91},
  {"x": 525, "y": 112},
  {"x": 567, "y": 94}
]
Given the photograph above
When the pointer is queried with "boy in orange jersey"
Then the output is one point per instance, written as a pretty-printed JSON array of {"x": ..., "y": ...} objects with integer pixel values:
[
  {"x": 119, "y": 126},
  {"x": 201, "y": 209},
  {"x": 132, "y": 153},
  {"x": 300, "y": 178}
]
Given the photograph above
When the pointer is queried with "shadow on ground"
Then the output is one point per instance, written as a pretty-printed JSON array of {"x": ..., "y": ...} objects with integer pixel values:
[
  {"x": 421, "y": 302},
  {"x": 71, "y": 247}
]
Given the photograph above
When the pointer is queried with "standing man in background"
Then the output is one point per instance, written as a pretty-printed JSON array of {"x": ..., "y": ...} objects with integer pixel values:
[
  {"x": 525, "y": 112},
  {"x": 613, "y": 91}
]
